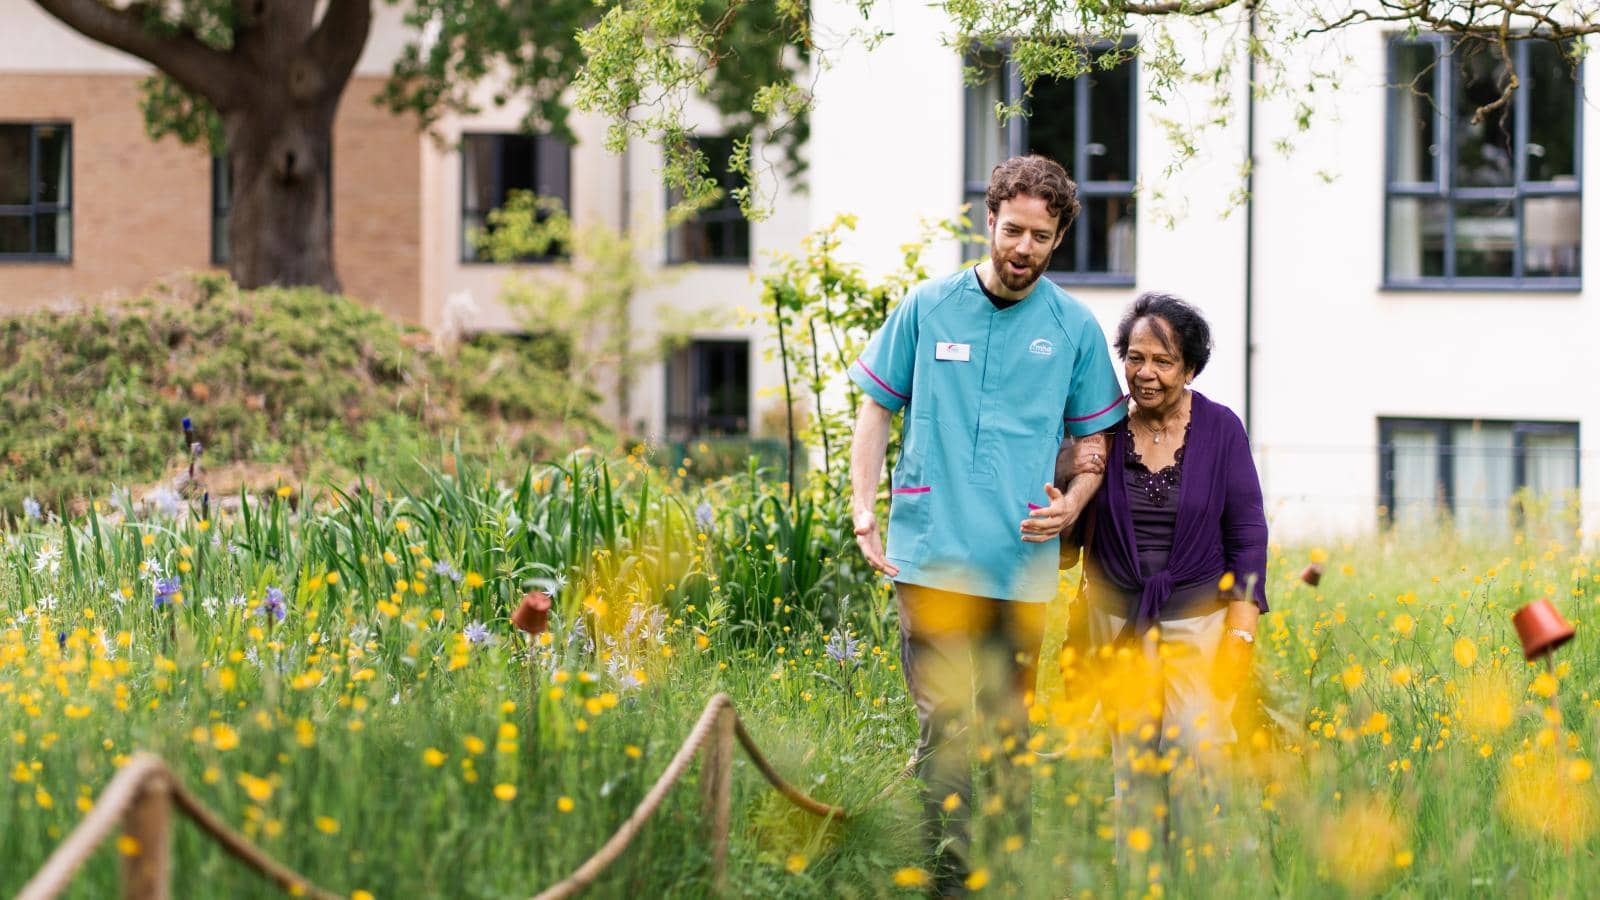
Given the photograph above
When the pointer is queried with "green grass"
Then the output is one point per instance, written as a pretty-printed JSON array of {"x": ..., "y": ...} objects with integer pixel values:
[{"x": 1354, "y": 781}]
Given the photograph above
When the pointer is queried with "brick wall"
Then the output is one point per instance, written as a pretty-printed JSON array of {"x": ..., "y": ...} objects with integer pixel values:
[
  {"x": 377, "y": 203},
  {"x": 142, "y": 208}
]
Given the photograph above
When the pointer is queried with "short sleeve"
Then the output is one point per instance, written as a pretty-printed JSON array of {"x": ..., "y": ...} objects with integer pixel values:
[
  {"x": 885, "y": 368},
  {"x": 1094, "y": 399}
]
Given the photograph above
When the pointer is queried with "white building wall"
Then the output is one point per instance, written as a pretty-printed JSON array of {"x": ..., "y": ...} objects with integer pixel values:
[
  {"x": 1337, "y": 351},
  {"x": 717, "y": 301}
]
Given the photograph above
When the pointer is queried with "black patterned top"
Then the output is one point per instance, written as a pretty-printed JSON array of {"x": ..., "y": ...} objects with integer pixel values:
[{"x": 1153, "y": 500}]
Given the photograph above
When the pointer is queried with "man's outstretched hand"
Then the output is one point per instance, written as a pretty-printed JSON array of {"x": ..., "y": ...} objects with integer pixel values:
[{"x": 1046, "y": 522}]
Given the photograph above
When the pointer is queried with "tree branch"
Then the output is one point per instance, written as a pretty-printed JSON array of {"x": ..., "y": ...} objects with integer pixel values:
[
  {"x": 200, "y": 69},
  {"x": 337, "y": 43},
  {"x": 1184, "y": 7}
]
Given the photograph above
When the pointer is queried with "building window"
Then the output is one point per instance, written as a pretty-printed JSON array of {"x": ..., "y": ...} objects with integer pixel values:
[
  {"x": 1087, "y": 124},
  {"x": 1483, "y": 475},
  {"x": 222, "y": 204},
  {"x": 708, "y": 389},
  {"x": 494, "y": 165},
  {"x": 36, "y": 192},
  {"x": 1495, "y": 204},
  {"x": 720, "y": 233}
]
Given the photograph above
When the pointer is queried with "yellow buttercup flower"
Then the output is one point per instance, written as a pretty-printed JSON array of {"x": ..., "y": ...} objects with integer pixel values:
[
  {"x": 911, "y": 877},
  {"x": 505, "y": 791},
  {"x": 223, "y": 737},
  {"x": 1465, "y": 652}
]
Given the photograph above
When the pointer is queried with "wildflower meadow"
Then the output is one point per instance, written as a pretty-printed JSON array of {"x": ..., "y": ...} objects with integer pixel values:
[{"x": 334, "y": 672}]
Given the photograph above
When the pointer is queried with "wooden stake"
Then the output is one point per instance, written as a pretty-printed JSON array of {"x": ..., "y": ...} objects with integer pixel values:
[
  {"x": 716, "y": 793},
  {"x": 146, "y": 872}
]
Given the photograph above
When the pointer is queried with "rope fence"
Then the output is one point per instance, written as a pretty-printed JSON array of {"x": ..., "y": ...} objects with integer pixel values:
[{"x": 142, "y": 795}]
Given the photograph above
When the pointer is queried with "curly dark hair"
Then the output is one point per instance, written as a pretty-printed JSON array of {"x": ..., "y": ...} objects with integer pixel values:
[
  {"x": 1035, "y": 176},
  {"x": 1178, "y": 326}
]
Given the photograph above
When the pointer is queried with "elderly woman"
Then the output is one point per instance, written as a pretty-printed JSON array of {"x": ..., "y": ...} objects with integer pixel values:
[{"x": 1176, "y": 555}]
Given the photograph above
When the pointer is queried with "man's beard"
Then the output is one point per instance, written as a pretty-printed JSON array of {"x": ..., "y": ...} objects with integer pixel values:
[{"x": 1011, "y": 280}]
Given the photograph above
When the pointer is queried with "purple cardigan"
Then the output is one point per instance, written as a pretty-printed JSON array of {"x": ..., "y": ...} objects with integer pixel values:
[{"x": 1221, "y": 526}]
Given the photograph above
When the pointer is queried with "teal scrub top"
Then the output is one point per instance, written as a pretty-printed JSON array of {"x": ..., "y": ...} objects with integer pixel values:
[{"x": 987, "y": 394}]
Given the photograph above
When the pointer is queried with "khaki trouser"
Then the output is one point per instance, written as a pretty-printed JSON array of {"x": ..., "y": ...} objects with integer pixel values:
[
  {"x": 970, "y": 665},
  {"x": 1170, "y": 729}
]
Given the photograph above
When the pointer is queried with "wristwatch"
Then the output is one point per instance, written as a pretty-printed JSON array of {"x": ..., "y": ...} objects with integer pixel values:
[{"x": 1247, "y": 636}]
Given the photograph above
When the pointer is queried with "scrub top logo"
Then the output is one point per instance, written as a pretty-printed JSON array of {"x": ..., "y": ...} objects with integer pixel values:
[{"x": 1041, "y": 347}]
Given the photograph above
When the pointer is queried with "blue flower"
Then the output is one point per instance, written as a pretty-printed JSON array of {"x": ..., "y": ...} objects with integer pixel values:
[
  {"x": 703, "y": 515},
  {"x": 842, "y": 648},
  {"x": 477, "y": 634},
  {"x": 31, "y": 508},
  {"x": 444, "y": 568},
  {"x": 166, "y": 589},
  {"x": 273, "y": 604},
  {"x": 61, "y": 639}
]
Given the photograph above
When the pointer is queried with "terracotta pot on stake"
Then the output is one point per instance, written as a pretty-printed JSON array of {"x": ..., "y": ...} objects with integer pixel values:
[
  {"x": 1312, "y": 574},
  {"x": 1542, "y": 629},
  {"x": 532, "y": 617}
]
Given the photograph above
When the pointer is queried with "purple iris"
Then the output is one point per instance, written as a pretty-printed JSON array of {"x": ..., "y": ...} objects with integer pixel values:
[
  {"x": 166, "y": 589},
  {"x": 273, "y": 604}
]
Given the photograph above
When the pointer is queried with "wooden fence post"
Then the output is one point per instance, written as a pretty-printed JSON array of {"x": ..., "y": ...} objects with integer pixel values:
[
  {"x": 146, "y": 864},
  {"x": 716, "y": 792}
]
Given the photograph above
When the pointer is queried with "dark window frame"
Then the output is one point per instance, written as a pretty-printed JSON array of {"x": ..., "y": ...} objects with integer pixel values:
[
  {"x": 693, "y": 424},
  {"x": 1441, "y": 428},
  {"x": 465, "y": 213},
  {"x": 1445, "y": 83},
  {"x": 726, "y": 214},
  {"x": 33, "y": 208},
  {"x": 1016, "y": 130}
]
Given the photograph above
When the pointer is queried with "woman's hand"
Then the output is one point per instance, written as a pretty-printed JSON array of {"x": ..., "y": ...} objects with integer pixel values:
[
  {"x": 1234, "y": 651},
  {"x": 1234, "y": 655}
]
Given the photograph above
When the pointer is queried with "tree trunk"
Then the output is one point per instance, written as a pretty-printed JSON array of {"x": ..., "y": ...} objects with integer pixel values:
[
  {"x": 276, "y": 88},
  {"x": 280, "y": 227}
]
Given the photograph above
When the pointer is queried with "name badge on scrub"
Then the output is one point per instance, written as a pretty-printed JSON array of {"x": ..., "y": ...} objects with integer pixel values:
[{"x": 952, "y": 351}]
